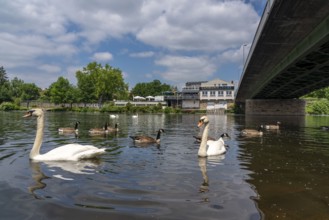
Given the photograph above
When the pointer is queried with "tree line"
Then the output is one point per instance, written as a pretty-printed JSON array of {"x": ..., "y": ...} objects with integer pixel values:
[{"x": 95, "y": 84}]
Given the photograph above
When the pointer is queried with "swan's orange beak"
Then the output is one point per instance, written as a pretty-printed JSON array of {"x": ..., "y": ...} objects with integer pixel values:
[
  {"x": 28, "y": 114},
  {"x": 200, "y": 123}
]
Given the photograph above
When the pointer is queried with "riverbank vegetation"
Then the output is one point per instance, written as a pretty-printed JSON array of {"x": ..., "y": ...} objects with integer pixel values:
[
  {"x": 317, "y": 102},
  {"x": 95, "y": 84},
  {"x": 103, "y": 84}
]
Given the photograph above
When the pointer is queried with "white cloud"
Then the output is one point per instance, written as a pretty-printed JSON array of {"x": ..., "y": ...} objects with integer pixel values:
[
  {"x": 102, "y": 56},
  {"x": 50, "y": 68},
  {"x": 142, "y": 54},
  {"x": 36, "y": 33},
  {"x": 186, "y": 68},
  {"x": 200, "y": 25}
]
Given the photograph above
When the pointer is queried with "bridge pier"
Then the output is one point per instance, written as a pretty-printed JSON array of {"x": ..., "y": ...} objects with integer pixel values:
[{"x": 275, "y": 107}]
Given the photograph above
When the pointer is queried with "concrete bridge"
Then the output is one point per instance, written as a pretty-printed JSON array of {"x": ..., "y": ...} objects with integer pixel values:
[{"x": 289, "y": 57}]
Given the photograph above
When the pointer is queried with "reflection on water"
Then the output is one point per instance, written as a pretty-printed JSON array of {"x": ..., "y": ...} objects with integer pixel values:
[
  {"x": 282, "y": 175},
  {"x": 38, "y": 177},
  {"x": 203, "y": 167},
  {"x": 73, "y": 167}
]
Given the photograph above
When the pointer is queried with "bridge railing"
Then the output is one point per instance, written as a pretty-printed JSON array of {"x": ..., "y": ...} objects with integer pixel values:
[{"x": 260, "y": 27}]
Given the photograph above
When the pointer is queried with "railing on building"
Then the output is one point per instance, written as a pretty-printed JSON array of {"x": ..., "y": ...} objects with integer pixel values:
[{"x": 217, "y": 88}]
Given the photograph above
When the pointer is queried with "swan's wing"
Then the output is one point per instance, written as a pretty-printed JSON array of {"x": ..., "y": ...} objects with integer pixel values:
[
  {"x": 216, "y": 147},
  {"x": 71, "y": 152}
]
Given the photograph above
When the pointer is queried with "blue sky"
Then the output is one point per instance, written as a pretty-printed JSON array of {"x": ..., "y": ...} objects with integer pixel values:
[{"x": 174, "y": 41}]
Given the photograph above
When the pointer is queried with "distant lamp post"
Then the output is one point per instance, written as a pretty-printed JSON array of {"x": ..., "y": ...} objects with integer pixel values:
[{"x": 243, "y": 59}]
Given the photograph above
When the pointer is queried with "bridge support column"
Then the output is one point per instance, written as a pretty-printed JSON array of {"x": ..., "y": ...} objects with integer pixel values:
[{"x": 275, "y": 107}]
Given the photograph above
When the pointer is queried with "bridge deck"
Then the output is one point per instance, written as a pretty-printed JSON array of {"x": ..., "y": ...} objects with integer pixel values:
[{"x": 290, "y": 57}]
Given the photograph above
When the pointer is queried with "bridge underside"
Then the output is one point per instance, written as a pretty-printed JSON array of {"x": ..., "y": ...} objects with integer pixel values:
[{"x": 291, "y": 56}]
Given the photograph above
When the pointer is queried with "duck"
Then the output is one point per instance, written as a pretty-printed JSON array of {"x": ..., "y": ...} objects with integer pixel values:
[
  {"x": 68, "y": 152},
  {"x": 273, "y": 127},
  {"x": 98, "y": 131},
  {"x": 210, "y": 147},
  {"x": 70, "y": 130},
  {"x": 142, "y": 139},
  {"x": 113, "y": 129},
  {"x": 253, "y": 132}
]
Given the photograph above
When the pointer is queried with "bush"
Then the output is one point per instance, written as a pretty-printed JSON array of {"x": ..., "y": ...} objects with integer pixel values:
[
  {"x": 8, "y": 106},
  {"x": 319, "y": 107}
]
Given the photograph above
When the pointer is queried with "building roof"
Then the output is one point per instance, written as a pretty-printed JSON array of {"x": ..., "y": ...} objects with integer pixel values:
[{"x": 216, "y": 82}]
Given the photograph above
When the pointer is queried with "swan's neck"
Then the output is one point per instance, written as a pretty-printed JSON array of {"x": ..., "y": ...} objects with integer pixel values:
[
  {"x": 38, "y": 138},
  {"x": 203, "y": 145}
]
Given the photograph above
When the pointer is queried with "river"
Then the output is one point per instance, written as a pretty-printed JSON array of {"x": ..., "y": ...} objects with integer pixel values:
[{"x": 282, "y": 175}]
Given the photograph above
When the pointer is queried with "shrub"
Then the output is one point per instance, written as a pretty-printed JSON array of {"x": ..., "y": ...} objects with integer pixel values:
[
  {"x": 318, "y": 107},
  {"x": 8, "y": 106}
]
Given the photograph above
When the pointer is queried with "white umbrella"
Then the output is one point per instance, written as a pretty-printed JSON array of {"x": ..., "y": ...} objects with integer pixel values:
[{"x": 139, "y": 98}]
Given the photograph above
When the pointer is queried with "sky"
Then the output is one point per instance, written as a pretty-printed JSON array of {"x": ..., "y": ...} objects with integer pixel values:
[{"x": 174, "y": 41}]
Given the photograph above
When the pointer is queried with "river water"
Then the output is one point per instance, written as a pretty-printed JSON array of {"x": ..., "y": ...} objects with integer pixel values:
[{"x": 282, "y": 175}]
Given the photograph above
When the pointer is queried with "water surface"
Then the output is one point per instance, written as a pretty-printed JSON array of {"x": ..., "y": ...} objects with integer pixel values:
[{"x": 282, "y": 175}]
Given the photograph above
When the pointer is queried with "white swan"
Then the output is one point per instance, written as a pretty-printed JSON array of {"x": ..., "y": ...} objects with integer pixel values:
[
  {"x": 214, "y": 147},
  {"x": 69, "y": 152},
  {"x": 114, "y": 116}
]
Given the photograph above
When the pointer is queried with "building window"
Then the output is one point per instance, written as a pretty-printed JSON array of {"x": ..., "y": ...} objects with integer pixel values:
[
  {"x": 212, "y": 93},
  {"x": 220, "y": 93},
  {"x": 228, "y": 93},
  {"x": 204, "y": 93}
]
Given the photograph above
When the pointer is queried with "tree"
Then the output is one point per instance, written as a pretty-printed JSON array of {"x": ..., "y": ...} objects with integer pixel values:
[
  {"x": 30, "y": 92},
  {"x": 3, "y": 76},
  {"x": 4, "y": 86},
  {"x": 60, "y": 91},
  {"x": 86, "y": 87},
  {"x": 16, "y": 87},
  {"x": 101, "y": 83},
  {"x": 321, "y": 93},
  {"x": 72, "y": 95},
  {"x": 152, "y": 88}
]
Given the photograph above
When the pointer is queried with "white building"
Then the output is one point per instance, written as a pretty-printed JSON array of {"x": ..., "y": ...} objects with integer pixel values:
[{"x": 210, "y": 95}]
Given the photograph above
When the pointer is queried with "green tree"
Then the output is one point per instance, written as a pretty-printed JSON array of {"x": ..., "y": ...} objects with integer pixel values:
[
  {"x": 73, "y": 95},
  {"x": 86, "y": 87},
  {"x": 4, "y": 86},
  {"x": 3, "y": 76},
  {"x": 16, "y": 89},
  {"x": 321, "y": 93},
  {"x": 30, "y": 91},
  {"x": 60, "y": 91},
  {"x": 101, "y": 83},
  {"x": 151, "y": 88}
]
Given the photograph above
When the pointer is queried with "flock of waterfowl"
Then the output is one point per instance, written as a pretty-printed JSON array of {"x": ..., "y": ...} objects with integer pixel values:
[{"x": 73, "y": 152}]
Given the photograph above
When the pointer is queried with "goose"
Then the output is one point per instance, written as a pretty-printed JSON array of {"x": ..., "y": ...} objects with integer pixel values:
[
  {"x": 69, "y": 130},
  {"x": 146, "y": 139},
  {"x": 96, "y": 131},
  {"x": 198, "y": 138},
  {"x": 69, "y": 152},
  {"x": 209, "y": 147},
  {"x": 111, "y": 129},
  {"x": 273, "y": 127},
  {"x": 253, "y": 132}
]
